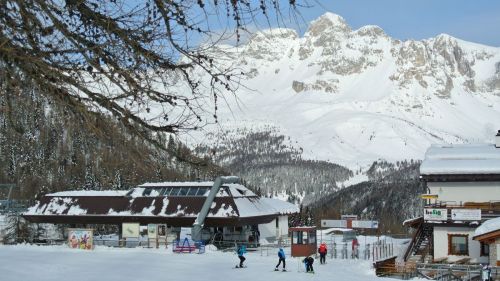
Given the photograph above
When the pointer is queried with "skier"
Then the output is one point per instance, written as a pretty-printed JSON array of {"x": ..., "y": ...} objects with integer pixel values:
[
  {"x": 281, "y": 256},
  {"x": 355, "y": 245},
  {"x": 241, "y": 251},
  {"x": 322, "y": 253},
  {"x": 308, "y": 261}
]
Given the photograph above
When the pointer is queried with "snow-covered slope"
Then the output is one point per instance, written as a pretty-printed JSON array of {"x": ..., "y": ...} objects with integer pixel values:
[{"x": 354, "y": 96}]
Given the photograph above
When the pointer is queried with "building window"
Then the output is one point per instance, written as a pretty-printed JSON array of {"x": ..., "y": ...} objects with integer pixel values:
[
  {"x": 485, "y": 249},
  {"x": 297, "y": 237},
  {"x": 458, "y": 244}
]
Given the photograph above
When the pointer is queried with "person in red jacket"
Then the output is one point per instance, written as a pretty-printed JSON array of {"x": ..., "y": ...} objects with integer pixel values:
[
  {"x": 355, "y": 245},
  {"x": 322, "y": 253}
]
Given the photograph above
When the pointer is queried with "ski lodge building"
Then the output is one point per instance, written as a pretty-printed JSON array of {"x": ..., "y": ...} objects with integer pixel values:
[
  {"x": 235, "y": 213},
  {"x": 463, "y": 191}
]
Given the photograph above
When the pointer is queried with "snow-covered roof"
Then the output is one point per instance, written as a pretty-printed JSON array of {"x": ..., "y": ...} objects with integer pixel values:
[
  {"x": 89, "y": 193},
  {"x": 242, "y": 207},
  {"x": 236, "y": 190},
  {"x": 177, "y": 184},
  {"x": 264, "y": 206},
  {"x": 487, "y": 227},
  {"x": 412, "y": 220},
  {"x": 333, "y": 229},
  {"x": 232, "y": 201},
  {"x": 461, "y": 159}
]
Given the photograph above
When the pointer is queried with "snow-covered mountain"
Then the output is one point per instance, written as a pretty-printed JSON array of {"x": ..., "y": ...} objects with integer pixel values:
[{"x": 354, "y": 96}]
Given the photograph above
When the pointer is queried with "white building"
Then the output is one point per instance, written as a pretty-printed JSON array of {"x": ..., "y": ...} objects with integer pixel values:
[
  {"x": 463, "y": 186},
  {"x": 489, "y": 233}
]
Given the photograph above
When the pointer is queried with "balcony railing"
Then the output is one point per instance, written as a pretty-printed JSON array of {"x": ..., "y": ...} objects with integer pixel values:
[{"x": 489, "y": 210}]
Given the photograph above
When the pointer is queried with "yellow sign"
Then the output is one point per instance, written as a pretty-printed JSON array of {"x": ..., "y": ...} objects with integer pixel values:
[{"x": 428, "y": 196}]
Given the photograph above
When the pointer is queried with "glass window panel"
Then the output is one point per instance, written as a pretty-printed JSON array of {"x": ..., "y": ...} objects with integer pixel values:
[
  {"x": 174, "y": 191},
  {"x": 304, "y": 237},
  {"x": 312, "y": 237},
  {"x": 192, "y": 191},
  {"x": 166, "y": 191},
  {"x": 183, "y": 191},
  {"x": 459, "y": 245},
  {"x": 146, "y": 192},
  {"x": 201, "y": 191}
]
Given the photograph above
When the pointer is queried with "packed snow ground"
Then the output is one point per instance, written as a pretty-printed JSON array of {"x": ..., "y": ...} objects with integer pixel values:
[{"x": 26, "y": 262}]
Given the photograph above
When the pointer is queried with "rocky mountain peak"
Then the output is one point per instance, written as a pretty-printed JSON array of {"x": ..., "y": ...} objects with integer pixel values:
[
  {"x": 328, "y": 22},
  {"x": 371, "y": 30}
]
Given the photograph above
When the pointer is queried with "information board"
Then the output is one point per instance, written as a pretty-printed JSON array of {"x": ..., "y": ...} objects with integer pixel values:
[
  {"x": 435, "y": 214},
  {"x": 334, "y": 223},
  {"x": 130, "y": 230},
  {"x": 466, "y": 214},
  {"x": 81, "y": 238}
]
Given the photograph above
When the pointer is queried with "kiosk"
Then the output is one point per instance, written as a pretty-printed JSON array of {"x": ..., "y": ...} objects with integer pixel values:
[{"x": 303, "y": 241}]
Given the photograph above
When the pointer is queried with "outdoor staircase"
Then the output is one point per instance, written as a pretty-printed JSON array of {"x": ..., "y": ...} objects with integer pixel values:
[{"x": 421, "y": 245}]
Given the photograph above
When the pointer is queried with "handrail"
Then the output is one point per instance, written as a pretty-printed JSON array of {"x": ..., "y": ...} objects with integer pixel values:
[
  {"x": 488, "y": 205},
  {"x": 413, "y": 241}
]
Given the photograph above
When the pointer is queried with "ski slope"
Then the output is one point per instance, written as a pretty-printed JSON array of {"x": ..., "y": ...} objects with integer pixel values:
[
  {"x": 26, "y": 262},
  {"x": 352, "y": 97}
]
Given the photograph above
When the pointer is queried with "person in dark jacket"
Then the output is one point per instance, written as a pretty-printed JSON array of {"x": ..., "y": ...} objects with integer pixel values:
[
  {"x": 322, "y": 250},
  {"x": 241, "y": 251},
  {"x": 281, "y": 256},
  {"x": 308, "y": 261}
]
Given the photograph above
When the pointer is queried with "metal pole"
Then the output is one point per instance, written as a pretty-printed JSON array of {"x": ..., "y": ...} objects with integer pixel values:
[{"x": 200, "y": 220}]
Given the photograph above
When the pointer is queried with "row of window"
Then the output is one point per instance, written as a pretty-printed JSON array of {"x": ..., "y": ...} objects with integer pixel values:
[
  {"x": 303, "y": 237},
  {"x": 176, "y": 191}
]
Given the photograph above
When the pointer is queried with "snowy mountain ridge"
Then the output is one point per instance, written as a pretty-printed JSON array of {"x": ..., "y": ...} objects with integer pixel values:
[{"x": 354, "y": 96}]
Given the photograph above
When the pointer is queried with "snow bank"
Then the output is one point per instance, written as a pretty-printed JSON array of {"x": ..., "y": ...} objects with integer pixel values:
[{"x": 24, "y": 262}]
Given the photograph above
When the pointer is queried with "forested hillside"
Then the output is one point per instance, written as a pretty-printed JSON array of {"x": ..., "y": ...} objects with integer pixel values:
[
  {"x": 390, "y": 196},
  {"x": 271, "y": 164},
  {"x": 44, "y": 148}
]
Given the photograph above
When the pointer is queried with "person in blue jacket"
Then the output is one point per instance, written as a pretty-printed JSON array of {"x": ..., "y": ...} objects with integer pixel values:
[
  {"x": 281, "y": 256},
  {"x": 241, "y": 251}
]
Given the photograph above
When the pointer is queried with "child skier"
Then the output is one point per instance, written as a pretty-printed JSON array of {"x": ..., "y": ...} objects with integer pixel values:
[
  {"x": 308, "y": 261},
  {"x": 241, "y": 251},
  {"x": 281, "y": 256},
  {"x": 322, "y": 253}
]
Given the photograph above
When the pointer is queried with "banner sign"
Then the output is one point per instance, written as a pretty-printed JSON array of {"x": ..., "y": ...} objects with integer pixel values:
[
  {"x": 466, "y": 214},
  {"x": 365, "y": 224},
  {"x": 80, "y": 238},
  {"x": 152, "y": 230},
  {"x": 185, "y": 233},
  {"x": 436, "y": 214},
  {"x": 130, "y": 230},
  {"x": 162, "y": 230},
  {"x": 334, "y": 223}
]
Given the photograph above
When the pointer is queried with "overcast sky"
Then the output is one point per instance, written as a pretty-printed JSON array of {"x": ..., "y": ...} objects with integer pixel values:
[{"x": 470, "y": 20}]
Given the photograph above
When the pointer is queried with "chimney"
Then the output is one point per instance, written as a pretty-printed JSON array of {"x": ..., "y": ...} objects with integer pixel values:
[{"x": 497, "y": 139}]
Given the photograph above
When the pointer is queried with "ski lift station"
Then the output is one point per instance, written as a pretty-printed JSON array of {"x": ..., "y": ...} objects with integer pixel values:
[{"x": 223, "y": 210}]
